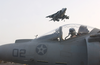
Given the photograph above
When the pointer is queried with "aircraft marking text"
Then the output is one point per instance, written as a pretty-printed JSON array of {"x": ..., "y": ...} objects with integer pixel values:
[
  {"x": 18, "y": 53},
  {"x": 41, "y": 49}
]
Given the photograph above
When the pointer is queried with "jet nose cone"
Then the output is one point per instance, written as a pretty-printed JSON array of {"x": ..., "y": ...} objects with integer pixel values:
[
  {"x": 1, "y": 52},
  {"x": 5, "y": 52}
]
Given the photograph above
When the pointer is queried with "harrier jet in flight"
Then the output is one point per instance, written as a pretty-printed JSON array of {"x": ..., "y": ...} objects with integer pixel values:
[
  {"x": 58, "y": 15},
  {"x": 70, "y": 44}
]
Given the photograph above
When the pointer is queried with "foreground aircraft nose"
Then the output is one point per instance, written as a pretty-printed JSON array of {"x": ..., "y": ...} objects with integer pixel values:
[
  {"x": 8, "y": 52},
  {"x": 16, "y": 52},
  {"x": 5, "y": 52},
  {"x": 1, "y": 53}
]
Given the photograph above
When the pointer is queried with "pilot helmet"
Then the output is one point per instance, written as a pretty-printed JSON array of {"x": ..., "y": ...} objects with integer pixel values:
[{"x": 71, "y": 30}]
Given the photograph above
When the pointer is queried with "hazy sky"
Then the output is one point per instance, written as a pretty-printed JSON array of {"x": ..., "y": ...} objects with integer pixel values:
[{"x": 23, "y": 19}]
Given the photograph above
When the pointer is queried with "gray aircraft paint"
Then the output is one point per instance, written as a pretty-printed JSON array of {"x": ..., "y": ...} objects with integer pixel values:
[{"x": 52, "y": 51}]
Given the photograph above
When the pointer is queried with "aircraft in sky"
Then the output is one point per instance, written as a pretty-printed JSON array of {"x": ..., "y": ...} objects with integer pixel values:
[
  {"x": 70, "y": 44},
  {"x": 59, "y": 15}
]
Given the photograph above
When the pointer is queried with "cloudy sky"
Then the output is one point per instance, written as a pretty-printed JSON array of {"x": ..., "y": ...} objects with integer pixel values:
[{"x": 23, "y": 19}]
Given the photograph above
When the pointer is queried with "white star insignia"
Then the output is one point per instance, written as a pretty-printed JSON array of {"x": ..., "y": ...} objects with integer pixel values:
[{"x": 41, "y": 49}]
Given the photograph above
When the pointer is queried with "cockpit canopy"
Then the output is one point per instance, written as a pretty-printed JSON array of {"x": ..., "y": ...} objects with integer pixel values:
[{"x": 63, "y": 32}]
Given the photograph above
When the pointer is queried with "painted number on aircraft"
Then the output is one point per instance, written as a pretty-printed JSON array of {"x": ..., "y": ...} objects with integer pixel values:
[
  {"x": 18, "y": 53},
  {"x": 22, "y": 52},
  {"x": 15, "y": 52}
]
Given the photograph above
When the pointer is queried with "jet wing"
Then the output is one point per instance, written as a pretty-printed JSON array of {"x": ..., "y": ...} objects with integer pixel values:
[{"x": 50, "y": 16}]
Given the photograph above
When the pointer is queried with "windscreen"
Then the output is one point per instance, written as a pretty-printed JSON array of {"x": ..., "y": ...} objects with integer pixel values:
[{"x": 54, "y": 34}]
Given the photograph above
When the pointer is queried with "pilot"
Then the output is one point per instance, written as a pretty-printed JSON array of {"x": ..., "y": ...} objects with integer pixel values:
[{"x": 72, "y": 32}]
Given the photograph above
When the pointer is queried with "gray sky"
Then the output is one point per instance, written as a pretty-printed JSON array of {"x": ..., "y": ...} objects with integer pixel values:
[{"x": 23, "y": 19}]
